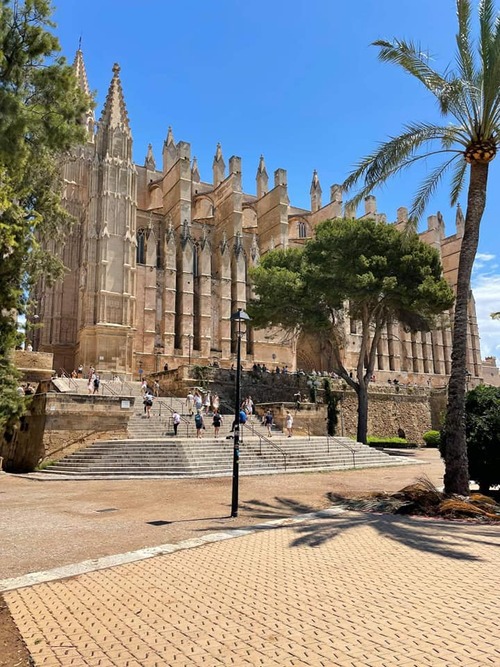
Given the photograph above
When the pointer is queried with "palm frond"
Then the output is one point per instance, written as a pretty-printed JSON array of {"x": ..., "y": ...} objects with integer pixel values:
[
  {"x": 462, "y": 99},
  {"x": 487, "y": 17},
  {"x": 397, "y": 154},
  {"x": 428, "y": 187},
  {"x": 491, "y": 76},
  {"x": 412, "y": 59},
  {"x": 457, "y": 181},
  {"x": 465, "y": 59}
]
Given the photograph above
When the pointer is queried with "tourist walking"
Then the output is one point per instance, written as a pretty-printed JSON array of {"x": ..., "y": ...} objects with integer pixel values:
[
  {"x": 198, "y": 422},
  {"x": 176, "y": 420},
  {"x": 96, "y": 384},
  {"x": 144, "y": 387},
  {"x": 215, "y": 402},
  {"x": 217, "y": 422},
  {"x": 197, "y": 400},
  {"x": 289, "y": 423},
  {"x": 91, "y": 378},
  {"x": 156, "y": 388},
  {"x": 148, "y": 404},
  {"x": 268, "y": 422},
  {"x": 249, "y": 407},
  {"x": 206, "y": 402},
  {"x": 190, "y": 404}
]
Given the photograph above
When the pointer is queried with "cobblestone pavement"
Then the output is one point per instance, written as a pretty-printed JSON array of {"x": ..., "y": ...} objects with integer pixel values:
[
  {"x": 48, "y": 524},
  {"x": 339, "y": 589},
  {"x": 336, "y": 589}
]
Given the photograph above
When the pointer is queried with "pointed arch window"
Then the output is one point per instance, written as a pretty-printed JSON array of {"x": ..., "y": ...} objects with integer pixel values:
[
  {"x": 196, "y": 270},
  {"x": 158, "y": 255},
  {"x": 302, "y": 229},
  {"x": 141, "y": 246}
]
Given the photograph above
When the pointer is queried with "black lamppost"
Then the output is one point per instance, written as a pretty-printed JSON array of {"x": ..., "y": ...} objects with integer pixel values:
[{"x": 238, "y": 316}]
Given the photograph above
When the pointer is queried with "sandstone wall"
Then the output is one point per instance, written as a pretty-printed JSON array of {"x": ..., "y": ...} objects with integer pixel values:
[
  {"x": 58, "y": 424},
  {"x": 414, "y": 409}
]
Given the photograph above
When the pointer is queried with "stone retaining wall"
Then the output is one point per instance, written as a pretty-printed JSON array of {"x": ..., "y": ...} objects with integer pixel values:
[
  {"x": 58, "y": 424},
  {"x": 414, "y": 409}
]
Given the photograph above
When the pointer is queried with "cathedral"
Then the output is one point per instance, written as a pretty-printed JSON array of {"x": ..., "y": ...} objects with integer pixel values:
[{"x": 158, "y": 260}]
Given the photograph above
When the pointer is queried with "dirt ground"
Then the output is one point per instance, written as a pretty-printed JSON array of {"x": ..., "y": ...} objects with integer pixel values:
[{"x": 46, "y": 524}]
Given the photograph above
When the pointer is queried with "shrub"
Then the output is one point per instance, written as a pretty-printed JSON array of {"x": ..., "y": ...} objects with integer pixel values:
[
  {"x": 380, "y": 441},
  {"x": 432, "y": 438},
  {"x": 482, "y": 431}
]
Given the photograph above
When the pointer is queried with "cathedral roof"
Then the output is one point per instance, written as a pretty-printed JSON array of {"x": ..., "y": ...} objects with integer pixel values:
[{"x": 114, "y": 113}]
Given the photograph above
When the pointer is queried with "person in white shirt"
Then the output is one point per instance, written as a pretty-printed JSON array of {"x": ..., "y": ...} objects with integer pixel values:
[{"x": 176, "y": 420}]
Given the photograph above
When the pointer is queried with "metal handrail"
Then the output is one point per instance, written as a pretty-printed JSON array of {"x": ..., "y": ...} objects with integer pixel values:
[
  {"x": 267, "y": 441},
  {"x": 342, "y": 444},
  {"x": 127, "y": 385},
  {"x": 67, "y": 376},
  {"x": 259, "y": 435},
  {"x": 107, "y": 385},
  {"x": 171, "y": 410}
]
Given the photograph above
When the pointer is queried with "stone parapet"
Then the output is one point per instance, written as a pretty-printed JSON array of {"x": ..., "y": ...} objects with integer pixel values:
[
  {"x": 57, "y": 424},
  {"x": 34, "y": 366}
]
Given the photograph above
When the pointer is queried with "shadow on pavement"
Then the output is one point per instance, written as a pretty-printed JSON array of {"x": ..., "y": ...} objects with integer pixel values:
[{"x": 439, "y": 537}]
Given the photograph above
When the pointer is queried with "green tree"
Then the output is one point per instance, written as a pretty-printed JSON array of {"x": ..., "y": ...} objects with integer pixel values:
[
  {"x": 482, "y": 427},
  {"x": 377, "y": 273},
  {"x": 468, "y": 96},
  {"x": 41, "y": 112}
]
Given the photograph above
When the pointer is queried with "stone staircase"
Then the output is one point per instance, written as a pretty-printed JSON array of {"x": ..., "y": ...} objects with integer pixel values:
[
  {"x": 152, "y": 451},
  {"x": 151, "y": 457}
]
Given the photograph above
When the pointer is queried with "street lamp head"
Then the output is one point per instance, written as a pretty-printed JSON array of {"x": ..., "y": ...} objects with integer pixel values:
[{"x": 240, "y": 315}]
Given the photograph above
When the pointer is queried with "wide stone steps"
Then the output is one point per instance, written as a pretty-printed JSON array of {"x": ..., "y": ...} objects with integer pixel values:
[
  {"x": 152, "y": 451},
  {"x": 207, "y": 457}
]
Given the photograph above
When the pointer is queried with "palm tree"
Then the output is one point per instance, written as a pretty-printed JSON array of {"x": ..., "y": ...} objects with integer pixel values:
[{"x": 469, "y": 98}]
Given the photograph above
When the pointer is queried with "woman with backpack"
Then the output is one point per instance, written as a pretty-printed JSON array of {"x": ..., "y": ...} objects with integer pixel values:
[
  {"x": 198, "y": 422},
  {"x": 148, "y": 404}
]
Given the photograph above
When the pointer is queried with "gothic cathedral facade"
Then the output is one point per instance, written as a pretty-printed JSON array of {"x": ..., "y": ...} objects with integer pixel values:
[{"x": 158, "y": 260}]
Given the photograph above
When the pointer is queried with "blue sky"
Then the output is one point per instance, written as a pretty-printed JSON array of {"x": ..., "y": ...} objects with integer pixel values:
[{"x": 296, "y": 81}]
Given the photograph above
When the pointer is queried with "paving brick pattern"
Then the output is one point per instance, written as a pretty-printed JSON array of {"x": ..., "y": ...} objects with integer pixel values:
[{"x": 347, "y": 590}]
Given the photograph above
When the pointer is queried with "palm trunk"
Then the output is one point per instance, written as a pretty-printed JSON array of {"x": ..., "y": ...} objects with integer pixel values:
[
  {"x": 454, "y": 448},
  {"x": 362, "y": 429}
]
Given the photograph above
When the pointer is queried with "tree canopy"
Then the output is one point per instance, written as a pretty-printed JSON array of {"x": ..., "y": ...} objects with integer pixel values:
[
  {"x": 378, "y": 274},
  {"x": 482, "y": 425},
  {"x": 41, "y": 112},
  {"x": 468, "y": 97}
]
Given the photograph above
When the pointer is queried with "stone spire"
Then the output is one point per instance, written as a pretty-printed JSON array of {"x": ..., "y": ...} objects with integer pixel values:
[
  {"x": 83, "y": 83},
  {"x": 195, "y": 173},
  {"x": 262, "y": 178},
  {"x": 149, "y": 162},
  {"x": 113, "y": 136},
  {"x": 169, "y": 151},
  {"x": 81, "y": 72},
  {"x": 114, "y": 115},
  {"x": 315, "y": 192},
  {"x": 218, "y": 166},
  {"x": 170, "y": 137}
]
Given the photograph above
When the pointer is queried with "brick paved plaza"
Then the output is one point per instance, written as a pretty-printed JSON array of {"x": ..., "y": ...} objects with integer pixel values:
[{"x": 339, "y": 588}]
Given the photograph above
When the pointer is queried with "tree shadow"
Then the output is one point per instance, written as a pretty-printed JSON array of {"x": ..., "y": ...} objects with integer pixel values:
[{"x": 435, "y": 536}]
